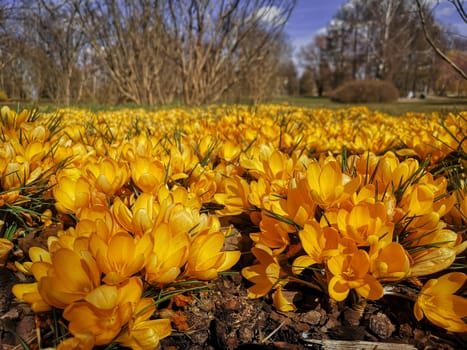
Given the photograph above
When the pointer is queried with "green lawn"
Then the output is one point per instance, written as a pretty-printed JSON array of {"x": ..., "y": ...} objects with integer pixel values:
[{"x": 427, "y": 105}]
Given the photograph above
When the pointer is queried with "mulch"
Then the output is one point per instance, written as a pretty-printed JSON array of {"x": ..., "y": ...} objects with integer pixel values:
[{"x": 223, "y": 317}]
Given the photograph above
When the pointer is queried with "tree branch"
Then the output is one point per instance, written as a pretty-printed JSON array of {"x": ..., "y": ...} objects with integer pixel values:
[{"x": 433, "y": 44}]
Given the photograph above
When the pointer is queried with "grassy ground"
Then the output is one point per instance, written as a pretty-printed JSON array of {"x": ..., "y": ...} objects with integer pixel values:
[{"x": 427, "y": 105}]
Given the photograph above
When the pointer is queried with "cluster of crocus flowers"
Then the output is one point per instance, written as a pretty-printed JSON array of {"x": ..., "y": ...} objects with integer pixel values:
[
  {"x": 141, "y": 196},
  {"x": 95, "y": 270},
  {"x": 365, "y": 220}
]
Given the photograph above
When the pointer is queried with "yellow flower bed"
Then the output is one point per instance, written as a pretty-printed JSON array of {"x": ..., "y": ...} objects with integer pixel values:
[{"x": 346, "y": 201}]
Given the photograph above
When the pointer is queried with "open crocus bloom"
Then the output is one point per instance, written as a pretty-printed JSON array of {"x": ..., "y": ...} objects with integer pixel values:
[
  {"x": 439, "y": 304},
  {"x": 351, "y": 271}
]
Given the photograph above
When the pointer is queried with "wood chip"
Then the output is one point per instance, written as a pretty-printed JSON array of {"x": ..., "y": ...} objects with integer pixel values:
[{"x": 358, "y": 345}]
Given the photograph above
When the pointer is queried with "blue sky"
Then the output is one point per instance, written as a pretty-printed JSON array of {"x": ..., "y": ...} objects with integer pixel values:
[{"x": 309, "y": 16}]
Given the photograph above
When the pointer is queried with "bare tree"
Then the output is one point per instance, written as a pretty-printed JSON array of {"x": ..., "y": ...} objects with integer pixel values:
[
  {"x": 380, "y": 39},
  {"x": 61, "y": 39},
  {"x": 316, "y": 67},
  {"x": 11, "y": 46},
  {"x": 263, "y": 77},
  {"x": 208, "y": 38},
  {"x": 422, "y": 9},
  {"x": 128, "y": 38},
  {"x": 8, "y": 50}
]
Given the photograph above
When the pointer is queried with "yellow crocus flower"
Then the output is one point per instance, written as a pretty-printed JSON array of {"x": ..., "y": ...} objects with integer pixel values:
[
  {"x": 266, "y": 274},
  {"x": 206, "y": 258},
  {"x": 328, "y": 185},
  {"x": 319, "y": 244},
  {"x": 351, "y": 271},
  {"x": 104, "y": 311},
  {"x": 148, "y": 174},
  {"x": 121, "y": 257},
  {"x": 70, "y": 277},
  {"x": 168, "y": 255},
  {"x": 71, "y": 194},
  {"x": 439, "y": 304},
  {"x": 108, "y": 175},
  {"x": 142, "y": 333}
]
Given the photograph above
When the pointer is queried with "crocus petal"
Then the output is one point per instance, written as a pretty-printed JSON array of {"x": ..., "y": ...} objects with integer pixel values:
[
  {"x": 281, "y": 303},
  {"x": 338, "y": 290},
  {"x": 448, "y": 313},
  {"x": 371, "y": 289},
  {"x": 103, "y": 297},
  {"x": 230, "y": 258},
  {"x": 448, "y": 283},
  {"x": 301, "y": 263}
]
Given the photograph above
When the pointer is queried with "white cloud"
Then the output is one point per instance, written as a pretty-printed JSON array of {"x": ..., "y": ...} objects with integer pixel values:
[{"x": 271, "y": 15}]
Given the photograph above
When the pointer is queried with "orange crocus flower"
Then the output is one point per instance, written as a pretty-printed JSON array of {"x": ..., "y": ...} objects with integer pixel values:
[
  {"x": 84, "y": 341},
  {"x": 389, "y": 261}
]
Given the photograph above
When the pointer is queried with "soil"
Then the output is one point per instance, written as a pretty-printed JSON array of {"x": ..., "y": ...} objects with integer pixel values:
[{"x": 223, "y": 317}]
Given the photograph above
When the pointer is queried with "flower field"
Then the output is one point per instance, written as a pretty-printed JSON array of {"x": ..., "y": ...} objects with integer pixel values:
[{"x": 115, "y": 221}]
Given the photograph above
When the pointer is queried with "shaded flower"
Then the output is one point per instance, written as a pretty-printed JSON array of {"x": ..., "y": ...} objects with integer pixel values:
[
  {"x": 36, "y": 254},
  {"x": 5, "y": 247},
  {"x": 233, "y": 196},
  {"x": 29, "y": 292},
  {"x": 266, "y": 275},
  {"x": 142, "y": 333},
  {"x": 83, "y": 341},
  {"x": 280, "y": 302}
]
